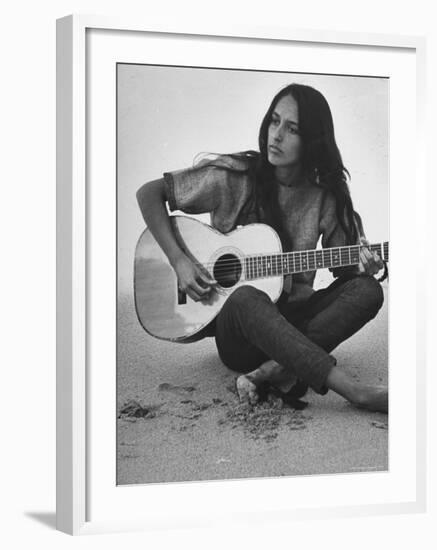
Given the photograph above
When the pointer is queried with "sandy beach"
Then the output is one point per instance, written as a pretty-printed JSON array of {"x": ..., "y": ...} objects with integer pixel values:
[{"x": 182, "y": 420}]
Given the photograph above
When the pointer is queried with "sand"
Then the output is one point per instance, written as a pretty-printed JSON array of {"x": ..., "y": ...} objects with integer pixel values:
[{"x": 180, "y": 419}]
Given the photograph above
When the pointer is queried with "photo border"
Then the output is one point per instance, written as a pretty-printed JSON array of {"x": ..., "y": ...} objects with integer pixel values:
[{"x": 72, "y": 256}]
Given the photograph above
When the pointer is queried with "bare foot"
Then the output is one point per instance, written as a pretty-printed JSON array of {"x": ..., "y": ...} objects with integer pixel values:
[
  {"x": 247, "y": 391},
  {"x": 373, "y": 398}
]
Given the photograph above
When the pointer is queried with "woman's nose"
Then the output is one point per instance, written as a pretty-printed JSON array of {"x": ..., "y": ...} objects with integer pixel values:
[{"x": 278, "y": 134}]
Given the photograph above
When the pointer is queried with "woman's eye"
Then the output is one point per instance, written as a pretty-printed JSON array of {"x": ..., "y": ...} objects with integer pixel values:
[
  {"x": 274, "y": 121},
  {"x": 292, "y": 130}
]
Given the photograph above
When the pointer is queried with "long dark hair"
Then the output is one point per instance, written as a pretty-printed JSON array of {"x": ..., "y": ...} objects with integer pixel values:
[{"x": 321, "y": 159}]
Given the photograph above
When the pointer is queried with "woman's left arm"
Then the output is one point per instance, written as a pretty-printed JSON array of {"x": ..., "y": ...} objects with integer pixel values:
[{"x": 333, "y": 236}]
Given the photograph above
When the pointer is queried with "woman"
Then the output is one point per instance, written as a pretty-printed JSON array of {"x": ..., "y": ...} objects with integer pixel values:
[{"x": 297, "y": 183}]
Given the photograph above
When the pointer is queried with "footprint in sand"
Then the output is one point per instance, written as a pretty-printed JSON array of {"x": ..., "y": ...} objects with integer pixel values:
[
  {"x": 380, "y": 425},
  {"x": 132, "y": 410},
  {"x": 165, "y": 386}
]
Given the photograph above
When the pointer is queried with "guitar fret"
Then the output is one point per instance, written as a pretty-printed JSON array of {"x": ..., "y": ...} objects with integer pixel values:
[
  {"x": 270, "y": 265},
  {"x": 311, "y": 260},
  {"x": 355, "y": 254},
  {"x": 289, "y": 265},
  {"x": 344, "y": 256},
  {"x": 295, "y": 263}
]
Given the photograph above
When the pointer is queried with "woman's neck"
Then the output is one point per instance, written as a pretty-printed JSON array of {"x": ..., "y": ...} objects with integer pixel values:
[{"x": 289, "y": 175}]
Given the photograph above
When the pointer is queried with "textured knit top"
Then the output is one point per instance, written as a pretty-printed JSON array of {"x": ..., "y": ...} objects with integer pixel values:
[{"x": 225, "y": 188}]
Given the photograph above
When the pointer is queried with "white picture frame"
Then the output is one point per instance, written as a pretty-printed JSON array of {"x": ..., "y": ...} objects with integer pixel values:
[{"x": 75, "y": 343}]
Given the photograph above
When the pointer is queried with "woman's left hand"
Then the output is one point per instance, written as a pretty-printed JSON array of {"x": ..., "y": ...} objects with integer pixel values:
[{"x": 370, "y": 262}]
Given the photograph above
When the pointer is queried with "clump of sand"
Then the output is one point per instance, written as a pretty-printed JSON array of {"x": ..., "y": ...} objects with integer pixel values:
[
  {"x": 133, "y": 409},
  {"x": 263, "y": 420},
  {"x": 259, "y": 422}
]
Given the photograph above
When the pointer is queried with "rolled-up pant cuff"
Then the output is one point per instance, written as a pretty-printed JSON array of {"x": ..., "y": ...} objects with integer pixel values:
[{"x": 318, "y": 374}]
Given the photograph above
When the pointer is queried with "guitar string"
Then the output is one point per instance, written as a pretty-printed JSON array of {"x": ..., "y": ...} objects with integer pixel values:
[
  {"x": 323, "y": 251},
  {"x": 230, "y": 267},
  {"x": 263, "y": 271},
  {"x": 255, "y": 257}
]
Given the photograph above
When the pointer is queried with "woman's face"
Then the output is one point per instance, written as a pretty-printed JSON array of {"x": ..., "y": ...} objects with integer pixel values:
[{"x": 284, "y": 142}]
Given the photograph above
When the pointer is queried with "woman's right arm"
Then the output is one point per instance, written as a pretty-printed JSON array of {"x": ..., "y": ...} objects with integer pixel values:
[{"x": 152, "y": 202}]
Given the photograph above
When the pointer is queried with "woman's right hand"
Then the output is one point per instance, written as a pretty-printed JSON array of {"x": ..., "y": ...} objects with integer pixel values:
[{"x": 193, "y": 279}]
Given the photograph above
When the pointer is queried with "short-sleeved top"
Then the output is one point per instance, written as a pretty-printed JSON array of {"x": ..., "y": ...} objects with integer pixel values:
[{"x": 225, "y": 188}]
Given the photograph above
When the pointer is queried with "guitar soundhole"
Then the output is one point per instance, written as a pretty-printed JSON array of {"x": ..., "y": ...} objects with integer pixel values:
[{"x": 227, "y": 270}]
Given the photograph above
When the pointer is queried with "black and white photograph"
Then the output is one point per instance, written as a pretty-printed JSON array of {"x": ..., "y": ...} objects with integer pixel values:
[
  {"x": 252, "y": 274},
  {"x": 218, "y": 275}
]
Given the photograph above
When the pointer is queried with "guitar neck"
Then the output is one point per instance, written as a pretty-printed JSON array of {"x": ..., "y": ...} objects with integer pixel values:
[{"x": 271, "y": 265}]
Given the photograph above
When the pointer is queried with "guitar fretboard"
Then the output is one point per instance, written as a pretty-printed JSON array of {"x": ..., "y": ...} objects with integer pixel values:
[{"x": 270, "y": 265}]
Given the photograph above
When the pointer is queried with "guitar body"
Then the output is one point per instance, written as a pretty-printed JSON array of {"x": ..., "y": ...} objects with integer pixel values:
[{"x": 168, "y": 314}]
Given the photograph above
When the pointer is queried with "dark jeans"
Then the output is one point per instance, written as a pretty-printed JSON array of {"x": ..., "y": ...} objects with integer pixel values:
[{"x": 250, "y": 328}]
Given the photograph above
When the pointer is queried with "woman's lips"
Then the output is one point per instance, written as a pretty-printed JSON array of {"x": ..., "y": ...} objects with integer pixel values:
[{"x": 274, "y": 149}]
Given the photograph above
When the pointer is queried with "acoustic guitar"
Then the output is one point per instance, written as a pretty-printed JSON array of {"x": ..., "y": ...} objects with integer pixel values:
[{"x": 249, "y": 255}]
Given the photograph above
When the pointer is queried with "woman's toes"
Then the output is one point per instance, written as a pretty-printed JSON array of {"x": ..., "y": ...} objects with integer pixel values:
[
  {"x": 373, "y": 399},
  {"x": 247, "y": 391}
]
